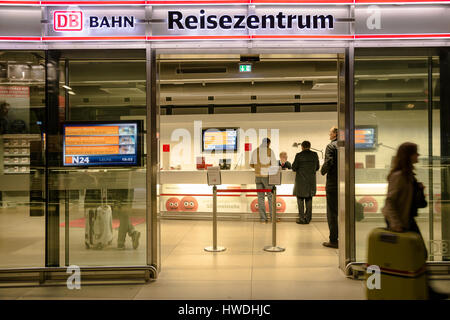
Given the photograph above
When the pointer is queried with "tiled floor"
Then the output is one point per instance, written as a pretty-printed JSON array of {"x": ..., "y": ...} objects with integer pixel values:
[{"x": 306, "y": 270}]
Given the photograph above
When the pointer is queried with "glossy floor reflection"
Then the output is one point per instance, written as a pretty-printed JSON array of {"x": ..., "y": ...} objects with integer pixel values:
[{"x": 306, "y": 270}]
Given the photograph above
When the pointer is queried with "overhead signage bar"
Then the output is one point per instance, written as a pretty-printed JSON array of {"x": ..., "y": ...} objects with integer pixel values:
[
  {"x": 210, "y": 2},
  {"x": 170, "y": 20}
]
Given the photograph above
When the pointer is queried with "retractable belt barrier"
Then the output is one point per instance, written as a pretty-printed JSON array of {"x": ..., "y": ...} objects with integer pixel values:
[
  {"x": 244, "y": 190},
  {"x": 271, "y": 248}
]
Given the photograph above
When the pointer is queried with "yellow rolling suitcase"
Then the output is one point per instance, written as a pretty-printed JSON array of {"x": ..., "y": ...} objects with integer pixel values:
[{"x": 400, "y": 258}]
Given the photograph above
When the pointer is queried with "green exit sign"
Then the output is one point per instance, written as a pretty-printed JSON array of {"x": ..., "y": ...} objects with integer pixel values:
[{"x": 245, "y": 68}]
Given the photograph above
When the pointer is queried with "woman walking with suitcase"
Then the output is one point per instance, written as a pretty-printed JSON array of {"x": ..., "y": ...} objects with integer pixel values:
[{"x": 405, "y": 196}]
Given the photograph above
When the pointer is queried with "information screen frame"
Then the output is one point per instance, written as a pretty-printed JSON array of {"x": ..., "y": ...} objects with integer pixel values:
[
  {"x": 375, "y": 138},
  {"x": 138, "y": 143},
  {"x": 224, "y": 129}
]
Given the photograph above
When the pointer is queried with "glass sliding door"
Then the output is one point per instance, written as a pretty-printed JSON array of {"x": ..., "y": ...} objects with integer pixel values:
[
  {"x": 440, "y": 245},
  {"x": 97, "y": 175},
  {"x": 22, "y": 101},
  {"x": 397, "y": 99}
]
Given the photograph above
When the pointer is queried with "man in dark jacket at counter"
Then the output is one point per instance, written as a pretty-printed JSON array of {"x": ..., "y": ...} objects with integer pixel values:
[
  {"x": 330, "y": 168},
  {"x": 305, "y": 165}
]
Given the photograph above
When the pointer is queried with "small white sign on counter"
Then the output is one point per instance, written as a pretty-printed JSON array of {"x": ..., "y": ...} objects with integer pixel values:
[
  {"x": 214, "y": 177},
  {"x": 275, "y": 176}
]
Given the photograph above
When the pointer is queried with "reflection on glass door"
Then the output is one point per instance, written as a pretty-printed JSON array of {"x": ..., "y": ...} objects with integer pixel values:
[
  {"x": 100, "y": 175},
  {"x": 397, "y": 99},
  {"x": 22, "y": 101}
]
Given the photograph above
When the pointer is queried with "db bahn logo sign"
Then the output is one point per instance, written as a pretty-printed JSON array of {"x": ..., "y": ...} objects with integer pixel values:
[
  {"x": 68, "y": 21},
  {"x": 75, "y": 21}
]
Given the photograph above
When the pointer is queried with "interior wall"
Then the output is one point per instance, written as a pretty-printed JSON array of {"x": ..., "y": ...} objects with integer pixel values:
[
  {"x": 394, "y": 127},
  {"x": 289, "y": 127}
]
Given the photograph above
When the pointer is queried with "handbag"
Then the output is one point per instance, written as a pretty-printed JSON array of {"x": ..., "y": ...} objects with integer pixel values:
[{"x": 419, "y": 196}]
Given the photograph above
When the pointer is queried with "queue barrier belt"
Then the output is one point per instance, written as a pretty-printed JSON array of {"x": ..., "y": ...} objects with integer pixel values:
[{"x": 244, "y": 190}]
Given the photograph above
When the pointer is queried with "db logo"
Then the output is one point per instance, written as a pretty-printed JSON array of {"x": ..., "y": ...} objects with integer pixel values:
[{"x": 67, "y": 20}]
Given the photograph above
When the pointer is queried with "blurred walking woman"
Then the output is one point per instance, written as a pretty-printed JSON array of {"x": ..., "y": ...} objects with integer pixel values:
[{"x": 405, "y": 196}]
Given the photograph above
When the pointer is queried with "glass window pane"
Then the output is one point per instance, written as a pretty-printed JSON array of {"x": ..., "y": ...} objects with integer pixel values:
[
  {"x": 391, "y": 107},
  {"x": 105, "y": 205},
  {"x": 289, "y": 98},
  {"x": 22, "y": 101}
]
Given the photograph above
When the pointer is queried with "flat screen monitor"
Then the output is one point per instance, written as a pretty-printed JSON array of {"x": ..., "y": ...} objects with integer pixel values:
[
  {"x": 365, "y": 137},
  {"x": 220, "y": 139},
  {"x": 88, "y": 144}
]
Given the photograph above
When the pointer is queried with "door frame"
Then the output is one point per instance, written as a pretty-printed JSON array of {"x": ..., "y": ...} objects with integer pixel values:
[
  {"x": 346, "y": 159},
  {"x": 345, "y": 110}
]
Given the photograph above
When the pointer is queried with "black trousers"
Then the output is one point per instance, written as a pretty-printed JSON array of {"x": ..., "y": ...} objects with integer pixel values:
[
  {"x": 332, "y": 214},
  {"x": 304, "y": 203}
]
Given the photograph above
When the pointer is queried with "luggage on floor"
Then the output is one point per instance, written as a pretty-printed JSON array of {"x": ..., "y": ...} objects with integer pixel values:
[
  {"x": 98, "y": 227},
  {"x": 401, "y": 260}
]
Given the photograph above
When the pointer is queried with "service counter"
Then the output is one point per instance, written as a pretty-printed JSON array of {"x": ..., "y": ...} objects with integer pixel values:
[
  {"x": 186, "y": 194},
  {"x": 228, "y": 177}
]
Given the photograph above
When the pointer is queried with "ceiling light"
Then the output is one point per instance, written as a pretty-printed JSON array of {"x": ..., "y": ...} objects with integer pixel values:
[
  {"x": 66, "y": 87},
  {"x": 72, "y": 93}
]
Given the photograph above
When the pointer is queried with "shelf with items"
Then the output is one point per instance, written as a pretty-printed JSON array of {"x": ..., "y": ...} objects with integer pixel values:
[
  {"x": 16, "y": 169},
  {"x": 10, "y": 161},
  {"x": 16, "y": 153}
]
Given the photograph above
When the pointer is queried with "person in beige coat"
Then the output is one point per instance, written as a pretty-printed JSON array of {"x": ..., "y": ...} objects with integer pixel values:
[
  {"x": 405, "y": 196},
  {"x": 262, "y": 159},
  {"x": 398, "y": 206}
]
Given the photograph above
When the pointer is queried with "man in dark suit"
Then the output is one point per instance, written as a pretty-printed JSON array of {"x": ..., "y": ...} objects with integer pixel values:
[
  {"x": 330, "y": 168},
  {"x": 305, "y": 165}
]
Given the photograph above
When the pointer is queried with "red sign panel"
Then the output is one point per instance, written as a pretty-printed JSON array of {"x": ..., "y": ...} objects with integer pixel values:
[{"x": 68, "y": 21}]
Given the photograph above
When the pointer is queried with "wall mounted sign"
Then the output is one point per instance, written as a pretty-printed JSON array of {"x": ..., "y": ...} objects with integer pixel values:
[
  {"x": 238, "y": 21},
  {"x": 202, "y": 21},
  {"x": 81, "y": 23},
  {"x": 94, "y": 22},
  {"x": 73, "y": 21},
  {"x": 245, "y": 68}
]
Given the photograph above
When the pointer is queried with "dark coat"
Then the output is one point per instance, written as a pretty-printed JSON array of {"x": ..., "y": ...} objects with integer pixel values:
[
  {"x": 330, "y": 165},
  {"x": 305, "y": 165}
]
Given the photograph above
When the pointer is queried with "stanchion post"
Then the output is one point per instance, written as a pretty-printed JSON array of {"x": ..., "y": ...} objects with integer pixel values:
[
  {"x": 215, "y": 248},
  {"x": 274, "y": 216},
  {"x": 273, "y": 247},
  {"x": 215, "y": 217}
]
